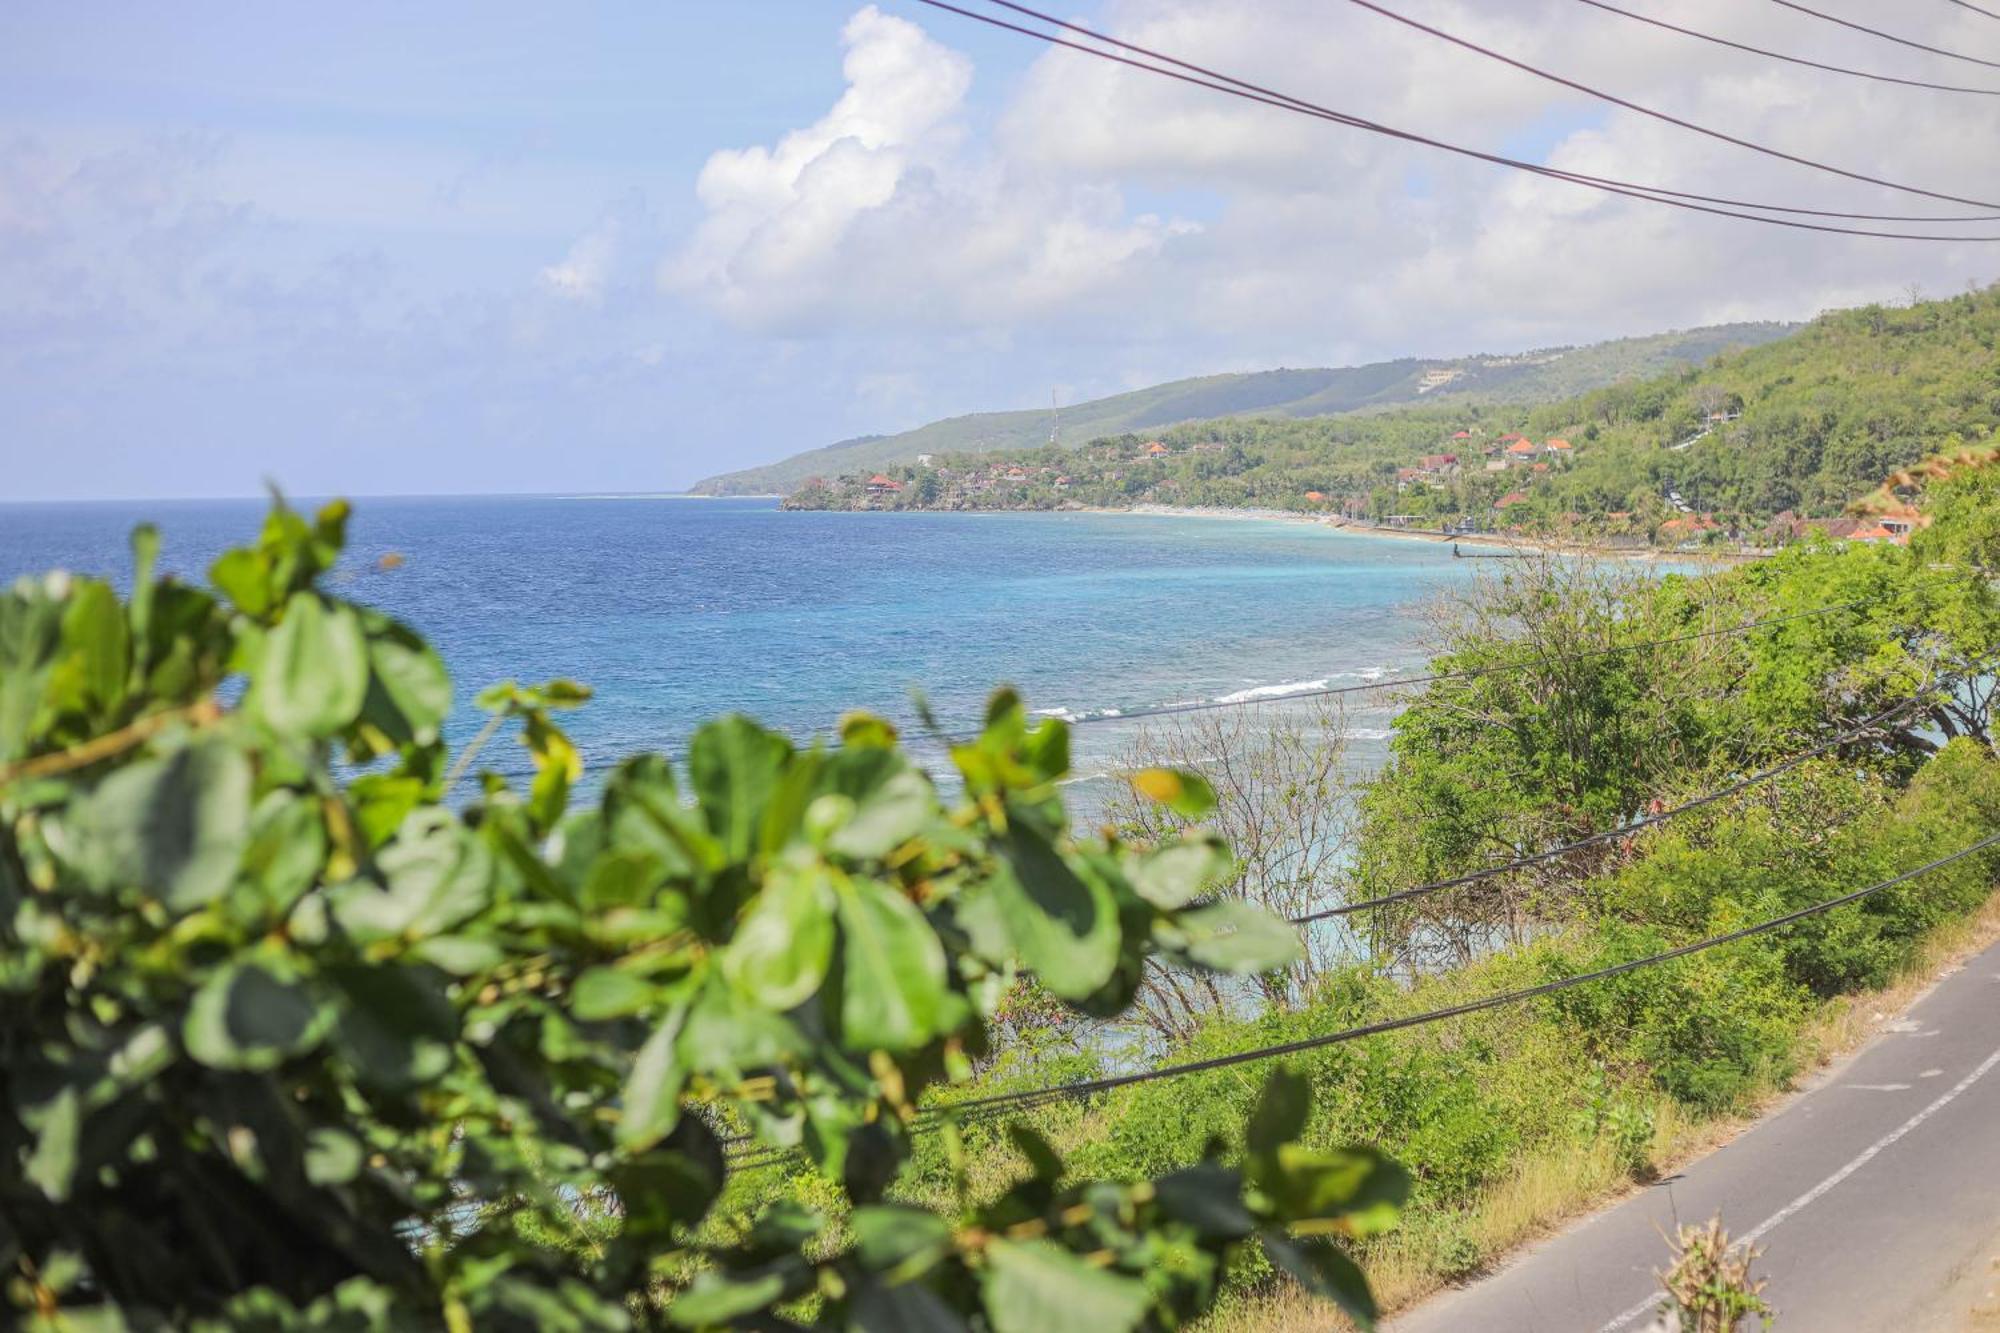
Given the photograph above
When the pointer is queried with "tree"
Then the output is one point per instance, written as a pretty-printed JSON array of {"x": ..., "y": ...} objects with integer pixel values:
[{"x": 288, "y": 1039}]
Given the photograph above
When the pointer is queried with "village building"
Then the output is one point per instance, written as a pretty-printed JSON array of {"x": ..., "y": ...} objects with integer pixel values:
[{"x": 881, "y": 485}]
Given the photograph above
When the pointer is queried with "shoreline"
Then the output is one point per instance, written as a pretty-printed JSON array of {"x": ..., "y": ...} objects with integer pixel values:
[{"x": 1517, "y": 545}]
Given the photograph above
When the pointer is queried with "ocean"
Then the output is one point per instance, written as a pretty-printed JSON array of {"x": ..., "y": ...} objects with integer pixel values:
[{"x": 677, "y": 610}]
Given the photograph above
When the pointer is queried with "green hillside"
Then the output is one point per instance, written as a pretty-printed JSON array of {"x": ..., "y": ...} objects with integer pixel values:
[
  {"x": 1804, "y": 425},
  {"x": 1523, "y": 377}
]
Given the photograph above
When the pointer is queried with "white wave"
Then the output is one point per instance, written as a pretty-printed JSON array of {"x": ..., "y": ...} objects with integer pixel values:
[
  {"x": 1273, "y": 691},
  {"x": 1369, "y": 733}
]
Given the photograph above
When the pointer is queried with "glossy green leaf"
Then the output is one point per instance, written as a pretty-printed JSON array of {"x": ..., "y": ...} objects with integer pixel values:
[
  {"x": 1063, "y": 924},
  {"x": 902, "y": 807},
  {"x": 898, "y": 1240},
  {"x": 57, "y": 1126},
  {"x": 1209, "y": 1198},
  {"x": 1181, "y": 872},
  {"x": 1281, "y": 1111},
  {"x": 716, "y": 1298},
  {"x": 314, "y": 673},
  {"x": 781, "y": 951},
  {"x": 893, "y": 995},
  {"x": 174, "y": 827},
  {"x": 649, "y": 1103},
  {"x": 332, "y": 1156},
  {"x": 286, "y": 851},
  {"x": 1037, "y": 1287},
  {"x": 1355, "y": 1191},
  {"x": 610, "y": 992},
  {"x": 911, "y": 1307},
  {"x": 409, "y": 690},
  {"x": 97, "y": 644},
  {"x": 1234, "y": 936},
  {"x": 1326, "y": 1272},
  {"x": 243, "y": 1017},
  {"x": 733, "y": 764},
  {"x": 1181, "y": 790}
]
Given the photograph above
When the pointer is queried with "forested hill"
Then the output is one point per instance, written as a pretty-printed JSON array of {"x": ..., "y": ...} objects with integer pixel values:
[
  {"x": 1525, "y": 377},
  {"x": 1797, "y": 428}
]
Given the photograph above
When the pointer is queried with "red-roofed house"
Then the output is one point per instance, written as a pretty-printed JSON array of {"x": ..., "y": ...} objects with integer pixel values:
[
  {"x": 1462, "y": 435},
  {"x": 1440, "y": 463},
  {"x": 1520, "y": 451},
  {"x": 1316, "y": 497},
  {"x": 1557, "y": 447},
  {"x": 881, "y": 485},
  {"x": 1157, "y": 450}
]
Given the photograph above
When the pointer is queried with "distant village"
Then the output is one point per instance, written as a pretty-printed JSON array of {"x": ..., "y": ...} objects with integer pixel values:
[{"x": 1471, "y": 485}]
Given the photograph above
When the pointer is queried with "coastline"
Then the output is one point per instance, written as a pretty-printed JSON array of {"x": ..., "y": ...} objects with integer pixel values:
[{"x": 1512, "y": 544}]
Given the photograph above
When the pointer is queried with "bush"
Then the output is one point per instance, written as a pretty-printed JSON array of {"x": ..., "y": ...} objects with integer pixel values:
[{"x": 288, "y": 1039}]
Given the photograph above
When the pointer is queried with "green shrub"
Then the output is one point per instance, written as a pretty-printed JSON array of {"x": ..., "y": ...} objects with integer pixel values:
[{"x": 288, "y": 1039}]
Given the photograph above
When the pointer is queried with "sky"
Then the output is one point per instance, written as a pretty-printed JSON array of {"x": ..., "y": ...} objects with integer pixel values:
[{"x": 500, "y": 247}]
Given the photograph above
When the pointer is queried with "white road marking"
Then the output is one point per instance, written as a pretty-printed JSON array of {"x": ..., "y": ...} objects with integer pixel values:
[
  {"x": 1750, "y": 1237},
  {"x": 1878, "y": 1087}
]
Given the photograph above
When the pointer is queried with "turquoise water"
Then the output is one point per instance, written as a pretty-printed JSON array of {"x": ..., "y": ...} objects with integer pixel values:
[{"x": 675, "y": 610}]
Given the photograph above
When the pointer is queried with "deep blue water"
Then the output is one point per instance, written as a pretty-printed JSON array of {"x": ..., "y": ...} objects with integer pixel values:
[{"x": 676, "y": 610}]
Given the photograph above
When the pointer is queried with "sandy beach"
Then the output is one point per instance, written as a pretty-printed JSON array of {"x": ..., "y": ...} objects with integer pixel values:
[{"x": 1506, "y": 542}]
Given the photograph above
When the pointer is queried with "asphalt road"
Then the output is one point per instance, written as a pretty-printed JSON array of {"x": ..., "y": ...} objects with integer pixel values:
[{"x": 1873, "y": 1194}]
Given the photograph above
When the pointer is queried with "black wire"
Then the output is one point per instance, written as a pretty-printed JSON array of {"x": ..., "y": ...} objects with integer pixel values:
[
  {"x": 1090, "y": 1087},
  {"x": 1615, "y": 100},
  {"x": 1967, "y": 4},
  {"x": 1796, "y": 60},
  {"x": 1622, "y": 831},
  {"x": 1889, "y": 36},
  {"x": 1654, "y": 194}
]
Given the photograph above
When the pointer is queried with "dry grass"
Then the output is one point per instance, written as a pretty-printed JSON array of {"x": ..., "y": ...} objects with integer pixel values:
[{"x": 1548, "y": 1191}]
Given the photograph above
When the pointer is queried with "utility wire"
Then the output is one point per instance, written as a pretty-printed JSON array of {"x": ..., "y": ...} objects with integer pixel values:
[
  {"x": 1624, "y": 830},
  {"x": 1470, "y": 673},
  {"x": 1090, "y": 1087},
  {"x": 1682, "y": 199},
  {"x": 987, "y": 1108},
  {"x": 1797, "y": 60},
  {"x": 1967, "y": 4},
  {"x": 1889, "y": 36},
  {"x": 1615, "y": 100}
]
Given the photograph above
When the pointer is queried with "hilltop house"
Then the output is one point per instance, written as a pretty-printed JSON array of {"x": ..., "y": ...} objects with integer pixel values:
[
  {"x": 1439, "y": 465},
  {"x": 881, "y": 485},
  {"x": 1557, "y": 448},
  {"x": 1157, "y": 450},
  {"x": 1521, "y": 451}
]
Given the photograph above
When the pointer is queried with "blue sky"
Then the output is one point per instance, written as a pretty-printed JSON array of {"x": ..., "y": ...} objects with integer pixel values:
[{"x": 463, "y": 248}]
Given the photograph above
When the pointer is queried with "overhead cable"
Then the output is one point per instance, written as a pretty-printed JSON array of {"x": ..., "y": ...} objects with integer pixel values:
[
  {"x": 1889, "y": 36},
  {"x": 1663, "y": 116},
  {"x": 1795, "y": 60},
  {"x": 1779, "y": 769},
  {"x": 1090, "y": 1087},
  {"x": 1682, "y": 199}
]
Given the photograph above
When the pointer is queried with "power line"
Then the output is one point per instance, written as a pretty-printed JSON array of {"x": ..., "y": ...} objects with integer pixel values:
[
  {"x": 1797, "y": 60},
  {"x": 1666, "y": 117},
  {"x": 1612, "y": 835},
  {"x": 1889, "y": 36},
  {"x": 1967, "y": 4},
  {"x": 1682, "y": 199},
  {"x": 987, "y": 1108},
  {"x": 1090, "y": 1087},
  {"x": 1470, "y": 673}
]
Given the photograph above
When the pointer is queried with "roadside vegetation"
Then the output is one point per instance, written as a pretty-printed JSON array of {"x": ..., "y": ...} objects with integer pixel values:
[{"x": 309, "y": 1023}]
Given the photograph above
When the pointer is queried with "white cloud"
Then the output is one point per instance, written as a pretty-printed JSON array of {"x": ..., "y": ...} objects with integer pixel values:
[
  {"x": 1319, "y": 240},
  {"x": 587, "y": 267},
  {"x": 879, "y": 212}
]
